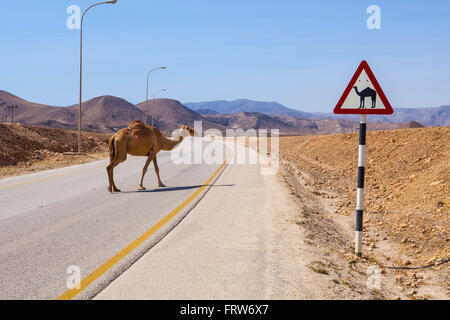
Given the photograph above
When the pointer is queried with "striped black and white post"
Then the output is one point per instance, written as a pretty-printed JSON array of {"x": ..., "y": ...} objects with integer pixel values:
[{"x": 360, "y": 190}]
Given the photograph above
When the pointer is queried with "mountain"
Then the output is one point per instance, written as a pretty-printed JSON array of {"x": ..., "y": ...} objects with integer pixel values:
[
  {"x": 245, "y": 105},
  {"x": 428, "y": 116},
  {"x": 103, "y": 114},
  {"x": 441, "y": 117},
  {"x": 251, "y": 120},
  {"x": 170, "y": 114},
  {"x": 206, "y": 111},
  {"x": 108, "y": 114}
]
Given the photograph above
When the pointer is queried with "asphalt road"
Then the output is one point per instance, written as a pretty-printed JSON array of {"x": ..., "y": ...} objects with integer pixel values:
[
  {"x": 55, "y": 219},
  {"x": 220, "y": 251}
]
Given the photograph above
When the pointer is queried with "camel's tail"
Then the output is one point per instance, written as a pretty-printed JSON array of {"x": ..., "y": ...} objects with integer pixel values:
[{"x": 112, "y": 149}]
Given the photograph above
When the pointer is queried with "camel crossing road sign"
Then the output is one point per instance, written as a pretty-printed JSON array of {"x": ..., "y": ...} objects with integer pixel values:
[{"x": 363, "y": 95}]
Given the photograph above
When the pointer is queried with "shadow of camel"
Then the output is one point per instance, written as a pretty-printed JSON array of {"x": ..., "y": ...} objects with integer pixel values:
[{"x": 166, "y": 189}]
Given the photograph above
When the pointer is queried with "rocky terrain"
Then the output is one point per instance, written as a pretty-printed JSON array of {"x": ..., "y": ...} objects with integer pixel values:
[
  {"x": 407, "y": 200},
  {"x": 26, "y": 149},
  {"x": 427, "y": 116}
]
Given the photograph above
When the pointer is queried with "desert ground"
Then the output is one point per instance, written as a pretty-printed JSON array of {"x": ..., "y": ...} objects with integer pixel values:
[{"x": 406, "y": 223}]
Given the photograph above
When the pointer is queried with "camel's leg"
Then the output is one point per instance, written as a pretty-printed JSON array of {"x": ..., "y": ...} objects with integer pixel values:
[
  {"x": 120, "y": 156},
  {"x": 155, "y": 163},
  {"x": 110, "y": 169},
  {"x": 144, "y": 171}
]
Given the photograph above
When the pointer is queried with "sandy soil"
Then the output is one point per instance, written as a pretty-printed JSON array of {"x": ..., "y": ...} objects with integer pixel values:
[{"x": 406, "y": 221}]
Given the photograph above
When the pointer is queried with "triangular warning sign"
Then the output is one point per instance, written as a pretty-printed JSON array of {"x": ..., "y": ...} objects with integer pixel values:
[{"x": 363, "y": 95}]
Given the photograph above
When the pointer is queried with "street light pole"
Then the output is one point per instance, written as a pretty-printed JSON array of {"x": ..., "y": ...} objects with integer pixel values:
[
  {"x": 4, "y": 118},
  {"x": 146, "y": 94},
  {"x": 81, "y": 68},
  {"x": 162, "y": 90},
  {"x": 11, "y": 109}
]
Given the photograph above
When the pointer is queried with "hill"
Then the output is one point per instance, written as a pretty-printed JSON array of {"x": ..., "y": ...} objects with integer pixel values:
[
  {"x": 102, "y": 114},
  {"x": 107, "y": 113},
  {"x": 170, "y": 114},
  {"x": 412, "y": 124},
  {"x": 35, "y": 113}
]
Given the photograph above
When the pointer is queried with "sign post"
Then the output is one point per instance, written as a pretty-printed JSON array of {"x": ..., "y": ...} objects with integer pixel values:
[
  {"x": 362, "y": 96},
  {"x": 360, "y": 189}
]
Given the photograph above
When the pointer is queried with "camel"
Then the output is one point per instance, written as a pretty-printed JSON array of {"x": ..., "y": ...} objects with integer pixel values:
[
  {"x": 367, "y": 92},
  {"x": 140, "y": 139}
]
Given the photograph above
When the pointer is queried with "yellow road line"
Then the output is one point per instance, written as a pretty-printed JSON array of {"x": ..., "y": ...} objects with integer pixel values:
[
  {"x": 49, "y": 178},
  {"x": 71, "y": 293}
]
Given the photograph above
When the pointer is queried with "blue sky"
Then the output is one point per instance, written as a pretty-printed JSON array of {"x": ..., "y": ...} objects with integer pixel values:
[{"x": 299, "y": 53}]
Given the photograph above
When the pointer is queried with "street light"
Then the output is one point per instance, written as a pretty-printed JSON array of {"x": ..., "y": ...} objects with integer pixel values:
[
  {"x": 81, "y": 67},
  {"x": 146, "y": 94},
  {"x": 162, "y": 90}
]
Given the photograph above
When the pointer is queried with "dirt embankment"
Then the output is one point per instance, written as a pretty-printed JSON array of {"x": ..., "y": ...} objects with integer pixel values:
[
  {"x": 25, "y": 149},
  {"x": 407, "y": 192}
]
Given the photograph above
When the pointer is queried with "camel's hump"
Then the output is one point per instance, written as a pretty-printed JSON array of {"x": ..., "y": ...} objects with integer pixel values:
[{"x": 137, "y": 125}]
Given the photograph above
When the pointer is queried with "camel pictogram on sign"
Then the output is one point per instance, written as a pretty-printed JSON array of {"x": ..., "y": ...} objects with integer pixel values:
[{"x": 367, "y": 92}]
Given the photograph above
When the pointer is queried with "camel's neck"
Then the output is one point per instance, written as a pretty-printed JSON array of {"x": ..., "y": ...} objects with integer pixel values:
[
  {"x": 169, "y": 144},
  {"x": 357, "y": 92}
]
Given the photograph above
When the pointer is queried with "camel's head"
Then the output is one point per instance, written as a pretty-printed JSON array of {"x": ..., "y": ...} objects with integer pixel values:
[{"x": 187, "y": 131}]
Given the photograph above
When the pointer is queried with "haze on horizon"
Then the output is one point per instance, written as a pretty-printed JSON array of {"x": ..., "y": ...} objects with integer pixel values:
[{"x": 300, "y": 54}]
